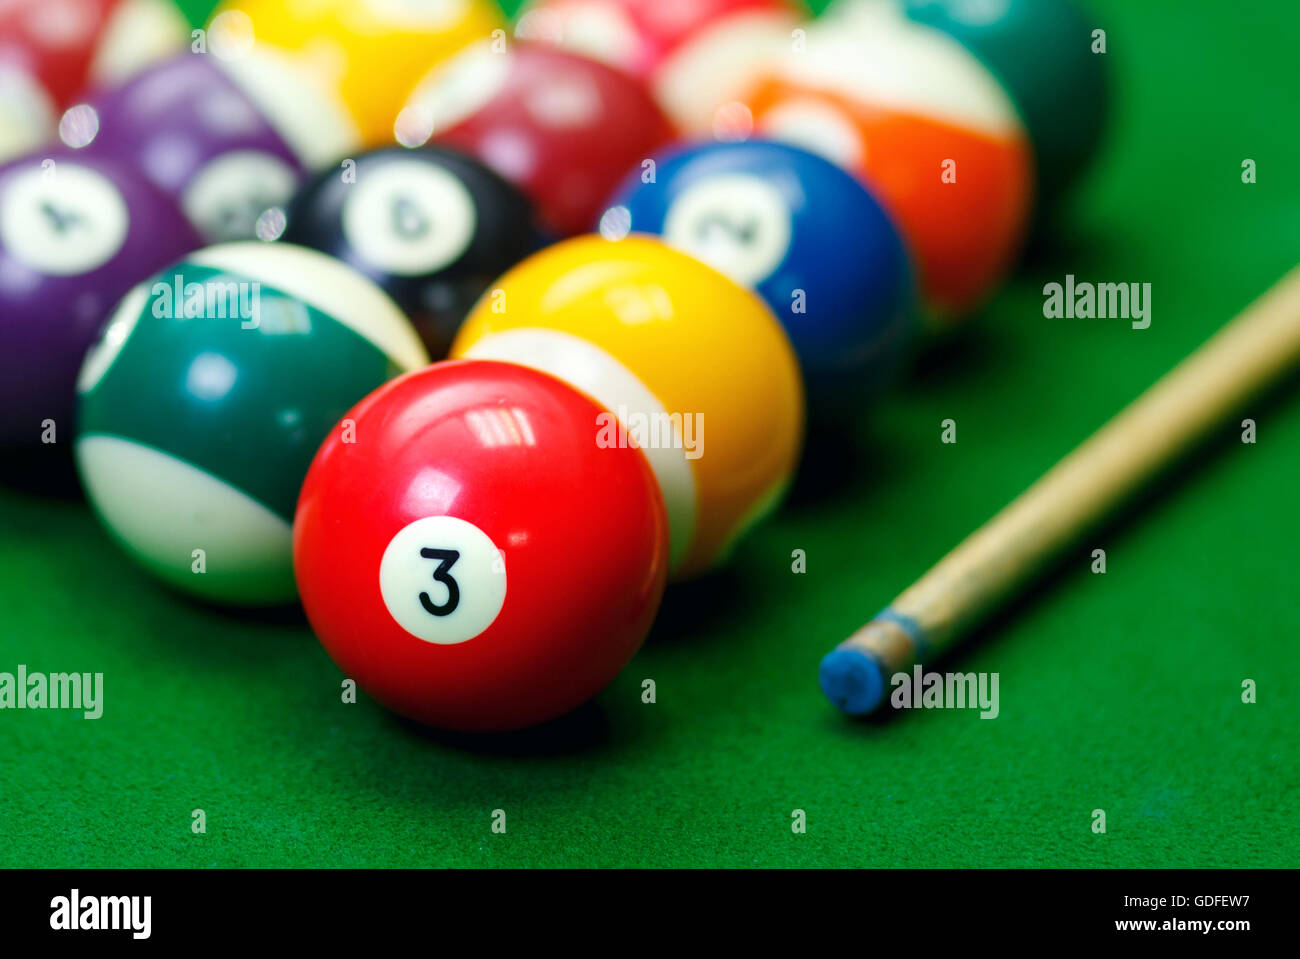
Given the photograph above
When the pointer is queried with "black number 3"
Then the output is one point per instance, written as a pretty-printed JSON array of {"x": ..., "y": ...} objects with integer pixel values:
[{"x": 448, "y": 559}]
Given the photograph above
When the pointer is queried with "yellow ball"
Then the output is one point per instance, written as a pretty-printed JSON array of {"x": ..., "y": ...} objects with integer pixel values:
[
  {"x": 694, "y": 369},
  {"x": 372, "y": 51}
]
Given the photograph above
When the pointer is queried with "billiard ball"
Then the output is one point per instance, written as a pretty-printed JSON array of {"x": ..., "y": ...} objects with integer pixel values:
[
  {"x": 475, "y": 560},
  {"x": 75, "y": 234},
  {"x": 803, "y": 233},
  {"x": 695, "y": 369},
  {"x": 929, "y": 130},
  {"x": 432, "y": 226},
  {"x": 563, "y": 128},
  {"x": 1043, "y": 52},
  {"x": 695, "y": 56},
  {"x": 228, "y": 138},
  {"x": 70, "y": 45},
  {"x": 202, "y": 404},
  {"x": 26, "y": 113},
  {"x": 371, "y": 52}
]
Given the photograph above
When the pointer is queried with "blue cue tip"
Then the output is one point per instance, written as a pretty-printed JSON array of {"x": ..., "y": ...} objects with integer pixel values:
[{"x": 853, "y": 681}]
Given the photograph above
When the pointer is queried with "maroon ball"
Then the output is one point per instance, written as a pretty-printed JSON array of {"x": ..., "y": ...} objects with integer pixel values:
[
  {"x": 76, "y": 233},
  {"x": 562, "y": 128}
]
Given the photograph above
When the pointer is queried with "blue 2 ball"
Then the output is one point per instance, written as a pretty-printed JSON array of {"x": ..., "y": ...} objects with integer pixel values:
[{"x": 804, "y": 235}]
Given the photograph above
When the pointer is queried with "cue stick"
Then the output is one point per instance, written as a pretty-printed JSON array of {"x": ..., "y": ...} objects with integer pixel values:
[{"x": 1248, "y": 354}]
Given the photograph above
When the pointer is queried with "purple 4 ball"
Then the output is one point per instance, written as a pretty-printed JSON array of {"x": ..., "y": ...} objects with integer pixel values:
[
  {"x": 226, "y": 140},
  {"x": 76, "y": 233}
]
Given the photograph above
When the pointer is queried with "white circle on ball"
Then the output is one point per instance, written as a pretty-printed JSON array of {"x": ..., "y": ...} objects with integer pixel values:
[
  {"x": 443, "y": 580},
  {"x": 738, "y": 224},
  {"x": 226, "y": 197},
  {"x": 61, "y": 219},
  {"x": 409, "y": 218}
]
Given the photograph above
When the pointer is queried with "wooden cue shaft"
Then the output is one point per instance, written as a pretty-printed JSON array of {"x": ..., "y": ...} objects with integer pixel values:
[{"x": 1244, "y": 357}]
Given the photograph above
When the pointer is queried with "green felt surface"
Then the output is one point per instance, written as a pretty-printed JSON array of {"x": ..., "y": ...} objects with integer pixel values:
[{"x": 1119, "y": 692}]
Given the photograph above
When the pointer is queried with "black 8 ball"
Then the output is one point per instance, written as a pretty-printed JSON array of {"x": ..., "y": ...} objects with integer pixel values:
[{"x": 432, "y": 226}]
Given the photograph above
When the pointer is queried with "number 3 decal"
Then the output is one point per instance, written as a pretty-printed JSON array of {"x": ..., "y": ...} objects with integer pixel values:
[
  {"x": 466, "y": 564},
  {"x": 448, "y": 559}
]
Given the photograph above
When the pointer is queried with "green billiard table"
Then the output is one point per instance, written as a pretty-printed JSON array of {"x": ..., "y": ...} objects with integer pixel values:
[{"x": 1119, "y": 691}]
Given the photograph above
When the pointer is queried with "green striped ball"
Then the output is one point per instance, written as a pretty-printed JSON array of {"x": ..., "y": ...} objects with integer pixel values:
[{"x": 205, "y": 399}]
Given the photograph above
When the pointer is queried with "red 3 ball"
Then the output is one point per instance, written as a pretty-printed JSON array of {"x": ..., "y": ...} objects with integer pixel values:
[
  {"x": 563, "y": 128},
  {"x": 470, "y": 554}
]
